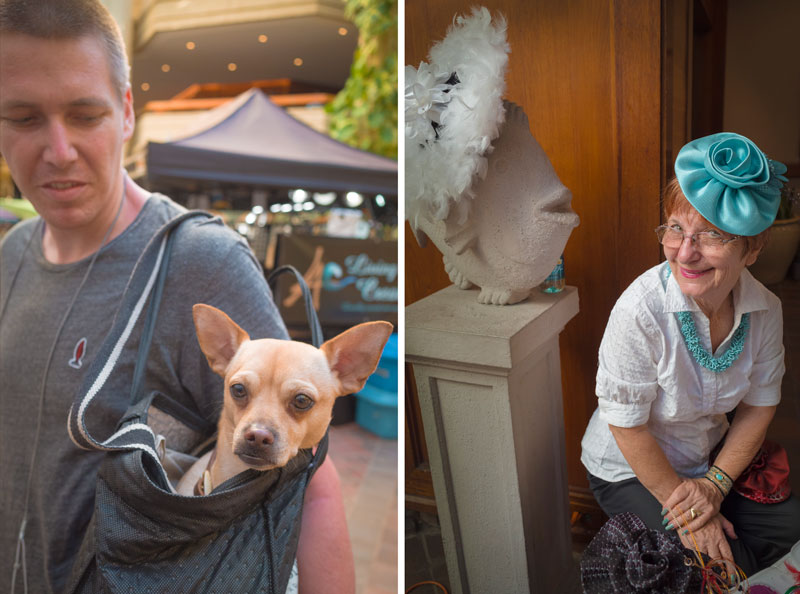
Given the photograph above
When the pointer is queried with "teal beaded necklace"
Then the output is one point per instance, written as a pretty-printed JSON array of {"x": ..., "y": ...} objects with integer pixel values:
[{"x": 702, "y": 356}]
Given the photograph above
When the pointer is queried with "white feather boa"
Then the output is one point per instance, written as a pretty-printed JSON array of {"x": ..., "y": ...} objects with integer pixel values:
[{"x": 442, "y": 163}]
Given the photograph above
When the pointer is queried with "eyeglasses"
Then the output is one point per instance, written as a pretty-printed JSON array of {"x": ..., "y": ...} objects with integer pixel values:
[{"x": 672, "y": 236}]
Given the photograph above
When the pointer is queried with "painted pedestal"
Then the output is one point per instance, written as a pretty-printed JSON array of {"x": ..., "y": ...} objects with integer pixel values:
[{"x": 489, "y": 385}]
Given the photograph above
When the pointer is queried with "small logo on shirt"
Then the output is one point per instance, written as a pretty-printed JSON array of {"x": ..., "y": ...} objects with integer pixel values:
[{"x": 77, "y": 354}]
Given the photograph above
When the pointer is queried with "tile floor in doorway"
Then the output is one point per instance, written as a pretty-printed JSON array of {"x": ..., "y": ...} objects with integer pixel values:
[{"x": 367, "y": 466}]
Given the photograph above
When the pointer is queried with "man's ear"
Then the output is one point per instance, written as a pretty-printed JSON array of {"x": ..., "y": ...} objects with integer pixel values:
[
  {"x": 354, "y": 354},
  {"x": 129, "y": 118},
  {"x": 219, "y": 336}
]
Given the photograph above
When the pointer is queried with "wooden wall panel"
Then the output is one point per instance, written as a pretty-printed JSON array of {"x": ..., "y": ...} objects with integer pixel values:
[
  {"x": 588, "y": 75},
  {"x": 676, "y": 86},
  {"x": 418, "y": 484},
  {"x": 637, "y": 52},
  {"x": 708, "y": 66},
  {"x": 428, "y": 275}
]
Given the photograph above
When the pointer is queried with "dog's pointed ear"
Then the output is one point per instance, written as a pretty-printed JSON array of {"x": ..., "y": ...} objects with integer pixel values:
[
  {"x": 354, "y": 354},
  {"x": 219, "y": 336}
]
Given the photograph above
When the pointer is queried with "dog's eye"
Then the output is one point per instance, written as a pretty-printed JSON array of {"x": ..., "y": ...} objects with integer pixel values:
[
  {"x": 302, "y": 402},
  {"x": 238, "y": 391}
]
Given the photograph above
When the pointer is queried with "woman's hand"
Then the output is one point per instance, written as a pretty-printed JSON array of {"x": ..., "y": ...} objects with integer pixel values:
[
  {"x": 710, "y": 539},
  {"x": 698, "y": 494}
]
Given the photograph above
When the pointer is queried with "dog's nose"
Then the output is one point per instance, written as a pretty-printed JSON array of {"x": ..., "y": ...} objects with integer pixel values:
[{"x": 259, "y": 436}]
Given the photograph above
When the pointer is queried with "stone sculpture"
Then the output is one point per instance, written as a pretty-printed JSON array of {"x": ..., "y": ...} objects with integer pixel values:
[{"x": 477, "y": 182}]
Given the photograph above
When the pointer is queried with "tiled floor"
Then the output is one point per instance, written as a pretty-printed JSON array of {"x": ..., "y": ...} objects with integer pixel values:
[
  {"x": 367, "y": 466},
  {"x": 425, "y": 561}
]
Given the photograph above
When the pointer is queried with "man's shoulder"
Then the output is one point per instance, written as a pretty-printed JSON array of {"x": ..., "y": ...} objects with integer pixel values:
[
  {"x": 207, "y": 238},
  {"x": 201, "y": 243},
  {"x": 17, "y": 238},
  {"x": 201, "y": 236},
  {"x": 160, "y": 208}
]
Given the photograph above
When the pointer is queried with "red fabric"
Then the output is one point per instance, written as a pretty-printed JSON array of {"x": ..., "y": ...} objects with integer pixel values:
[{"x": 766, "y": 480}]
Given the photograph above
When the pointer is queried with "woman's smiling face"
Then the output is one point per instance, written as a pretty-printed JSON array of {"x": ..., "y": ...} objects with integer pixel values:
[{"x": 707, "y": 275}]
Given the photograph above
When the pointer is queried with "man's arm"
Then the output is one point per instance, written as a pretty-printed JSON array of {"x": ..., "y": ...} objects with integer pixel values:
[{"x": 324, "y": 555}]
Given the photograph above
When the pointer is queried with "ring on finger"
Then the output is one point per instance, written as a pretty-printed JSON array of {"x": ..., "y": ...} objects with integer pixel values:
[{"x": 694, "y": 513}]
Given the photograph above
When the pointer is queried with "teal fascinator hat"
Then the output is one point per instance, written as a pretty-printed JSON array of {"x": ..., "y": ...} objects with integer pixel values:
[{"x": 731, "y": 182}]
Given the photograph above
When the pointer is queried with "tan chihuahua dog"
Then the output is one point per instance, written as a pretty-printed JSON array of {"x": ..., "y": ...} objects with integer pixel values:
[{"x": 278, "y": 395}]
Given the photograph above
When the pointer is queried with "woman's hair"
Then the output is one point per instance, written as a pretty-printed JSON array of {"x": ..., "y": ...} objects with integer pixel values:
[
  {"x": 674, "y": 201},
  {"x": 69, "y": 19}
]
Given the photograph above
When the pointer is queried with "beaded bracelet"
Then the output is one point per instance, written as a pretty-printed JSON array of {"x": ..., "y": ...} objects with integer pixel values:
[
  {"x": 721, "y": 490},
  {"x": 720, "y": 479}
]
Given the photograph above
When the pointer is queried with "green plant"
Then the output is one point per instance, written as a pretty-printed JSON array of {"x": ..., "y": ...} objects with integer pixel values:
[
  {"x": 364, "y": 113},
  {"x": 789, "y": 197},
  {"x": 19, "y": 207}
]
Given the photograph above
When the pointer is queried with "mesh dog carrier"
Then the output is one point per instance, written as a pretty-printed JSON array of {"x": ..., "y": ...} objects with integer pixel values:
[{"x": 143, "y": 536}]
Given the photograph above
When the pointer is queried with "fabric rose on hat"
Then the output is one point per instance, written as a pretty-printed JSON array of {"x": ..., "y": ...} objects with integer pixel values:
[
  {"x": 731, "y": 182},
  {"x": 625, "y": 557}
]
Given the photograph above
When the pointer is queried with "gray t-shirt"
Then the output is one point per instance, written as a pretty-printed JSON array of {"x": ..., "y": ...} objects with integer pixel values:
[{"x": 209, "y": 264}]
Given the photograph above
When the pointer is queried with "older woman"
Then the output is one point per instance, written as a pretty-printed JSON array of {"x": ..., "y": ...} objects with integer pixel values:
[{"x": 690, "y": 341}]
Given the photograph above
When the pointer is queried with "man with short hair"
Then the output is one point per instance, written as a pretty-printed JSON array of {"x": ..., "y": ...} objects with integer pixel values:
[{"x": 65, "y": 113}]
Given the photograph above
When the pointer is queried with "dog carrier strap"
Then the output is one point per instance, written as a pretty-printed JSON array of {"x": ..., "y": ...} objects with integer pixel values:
[
  {"x": 149, "y": 325},
  {"x": 321, "y": 452},
  {"x": 148, "y": 273},
  {"x": 311, "y": 314},
  {"x": 316, "y": 340}
]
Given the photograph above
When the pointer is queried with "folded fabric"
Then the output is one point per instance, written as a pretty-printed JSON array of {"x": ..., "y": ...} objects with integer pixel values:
[
  {"x": 625, "y": 557},
  {"x": 766, "y": 479},
  {"x": 731, "y": 182}
]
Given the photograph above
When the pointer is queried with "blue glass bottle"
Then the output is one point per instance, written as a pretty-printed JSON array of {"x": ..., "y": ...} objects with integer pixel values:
[{"x": 555, "y": 282}]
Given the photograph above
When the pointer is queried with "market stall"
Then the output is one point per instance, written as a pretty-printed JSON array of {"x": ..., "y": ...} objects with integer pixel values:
[{"x": 254, "y": 142}]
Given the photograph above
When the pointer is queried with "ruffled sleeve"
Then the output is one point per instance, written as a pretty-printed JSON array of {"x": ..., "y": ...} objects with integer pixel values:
[{"x": 627, "y": 373}]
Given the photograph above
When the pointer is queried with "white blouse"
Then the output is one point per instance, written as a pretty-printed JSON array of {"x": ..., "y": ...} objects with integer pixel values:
[{"x": 646, "y": 374}]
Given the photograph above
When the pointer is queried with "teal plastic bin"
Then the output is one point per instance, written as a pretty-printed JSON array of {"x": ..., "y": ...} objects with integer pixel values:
[
  {"x": 385, "y": 376},
  {"x": 376, "y": 411}
]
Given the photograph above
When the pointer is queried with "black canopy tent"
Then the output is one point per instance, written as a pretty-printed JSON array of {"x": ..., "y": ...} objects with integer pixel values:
[{"x": 253, "y": 141}]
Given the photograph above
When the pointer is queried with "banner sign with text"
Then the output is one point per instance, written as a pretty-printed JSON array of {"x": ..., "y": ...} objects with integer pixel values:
[{"x": 351, "y": 280}]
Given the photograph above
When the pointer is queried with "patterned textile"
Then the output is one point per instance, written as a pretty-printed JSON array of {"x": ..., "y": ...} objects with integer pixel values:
[
  {"x": 780, "y": 577},
  {"x": 625, "y": 557}
]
